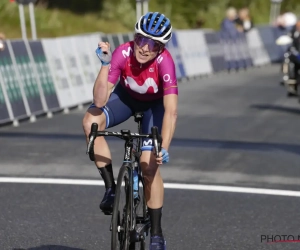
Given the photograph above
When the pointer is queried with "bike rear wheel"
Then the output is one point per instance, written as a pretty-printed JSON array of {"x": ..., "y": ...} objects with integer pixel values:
[{"x": 120, "y": 239}]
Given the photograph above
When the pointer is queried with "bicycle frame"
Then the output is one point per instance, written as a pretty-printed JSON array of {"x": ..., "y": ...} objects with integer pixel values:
[{"x": 128, "y": 163}]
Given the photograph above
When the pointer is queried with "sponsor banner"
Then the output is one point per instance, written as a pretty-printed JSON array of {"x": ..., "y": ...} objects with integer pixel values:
[
  {"x": 104, "y": 38},
  {"x": 174, "y": 49},
  {"x": 91, "y": 45},
  {"x": 4, "y": 115},
  {"x": 126, "y": 38},
  {"x": 59, "y": 74},
  {"x": 86, "y": 63},
  {"x": 111, "y": 41},
  {"x": 131, "y": 36},
  {"x": 228, "y": 50},
  {"x": 4, "y": 102},
  {"x": 237, "y": 50},
  {"x": 27, "y": 77},
  {"x": 215, "y": 50},
  {"x": 11, "y": 84},
  {"x": 117, "y": 40},
  {"x": 194, "y": 52},
  {"x": 74, "y": 72},
  {"x": 44, "y": 74},
  {"x": 257, "y": 49},
  {"x": 268, "y": 38},
  {"x": 244, "y": 51}
]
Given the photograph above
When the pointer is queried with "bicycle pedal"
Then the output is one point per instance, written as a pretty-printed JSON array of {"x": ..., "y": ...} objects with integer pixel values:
[{"x": 135, "y": 236}]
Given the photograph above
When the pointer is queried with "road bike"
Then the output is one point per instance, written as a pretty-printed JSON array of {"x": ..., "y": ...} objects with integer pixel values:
[{"x": 130, "y": 223}]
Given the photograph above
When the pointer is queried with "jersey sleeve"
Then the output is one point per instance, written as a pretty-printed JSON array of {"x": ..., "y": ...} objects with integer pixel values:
[
  {"x": 167, "y": 73},
  {"x": 116, "y": 65}
]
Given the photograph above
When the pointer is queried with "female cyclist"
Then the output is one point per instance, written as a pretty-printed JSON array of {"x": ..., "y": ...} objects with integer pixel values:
[{"x": 147, "y": 83}]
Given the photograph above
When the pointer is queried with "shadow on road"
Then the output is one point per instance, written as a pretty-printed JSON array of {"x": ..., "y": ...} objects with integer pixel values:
[
  {"x": 176, "y": 142},
  {"x": 294, "y": 111}
]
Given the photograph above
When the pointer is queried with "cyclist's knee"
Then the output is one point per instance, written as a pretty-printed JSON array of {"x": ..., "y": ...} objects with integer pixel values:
[{"x": 93, "y": 115}]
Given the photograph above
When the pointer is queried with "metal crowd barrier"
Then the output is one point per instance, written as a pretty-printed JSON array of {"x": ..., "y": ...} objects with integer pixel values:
[{"x": 56, "y": 74}]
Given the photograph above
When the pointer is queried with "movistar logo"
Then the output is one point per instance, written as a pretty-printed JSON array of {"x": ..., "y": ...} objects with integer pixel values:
[{"x": 126, "y": 53}]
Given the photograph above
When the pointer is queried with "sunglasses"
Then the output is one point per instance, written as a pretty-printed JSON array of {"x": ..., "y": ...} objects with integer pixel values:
[{"x": 141, "y": 41}]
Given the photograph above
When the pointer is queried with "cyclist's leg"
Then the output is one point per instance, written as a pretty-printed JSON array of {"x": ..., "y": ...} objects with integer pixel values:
[
  {"x": 153, "y": 180},
  {"x": 96, "y": 115},
  {"x": 152, "y": 117},
  {"x": 115, "y": 112}
]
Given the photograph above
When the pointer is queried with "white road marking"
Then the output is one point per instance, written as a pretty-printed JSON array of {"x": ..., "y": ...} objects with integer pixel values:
[{"x": 166, "y": 185}]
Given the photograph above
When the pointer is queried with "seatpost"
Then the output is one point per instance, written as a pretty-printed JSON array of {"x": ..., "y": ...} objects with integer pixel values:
[{"x": 139, "y": 118}]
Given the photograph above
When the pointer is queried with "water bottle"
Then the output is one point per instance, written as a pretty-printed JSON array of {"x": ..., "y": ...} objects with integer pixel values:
[{"x": 135, "y": 184}]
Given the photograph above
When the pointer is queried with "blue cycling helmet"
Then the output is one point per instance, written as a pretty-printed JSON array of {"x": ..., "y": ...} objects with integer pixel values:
[{"x": 155, "y": 26}]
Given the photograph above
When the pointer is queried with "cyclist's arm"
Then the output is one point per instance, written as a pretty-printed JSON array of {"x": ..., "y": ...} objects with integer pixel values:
[
  {"x": 102, "y": 88},
  {"x": 108, "y": 77},
  {"x": 169, "y": 120},
  {"x": 168, "y": 74}
]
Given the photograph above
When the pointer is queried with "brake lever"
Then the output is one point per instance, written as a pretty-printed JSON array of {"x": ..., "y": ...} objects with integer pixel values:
[
  {"x": 92, "y": 137},
  {"x": 156, "y": 140},
  {"x": 159, "y": 142}
]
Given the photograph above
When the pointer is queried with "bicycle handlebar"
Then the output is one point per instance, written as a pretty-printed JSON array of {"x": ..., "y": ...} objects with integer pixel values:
[{"x": 125, "y": 134}]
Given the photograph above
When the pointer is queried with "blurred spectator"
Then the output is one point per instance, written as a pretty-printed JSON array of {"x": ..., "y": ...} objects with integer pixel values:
[
  {"x": 294, "y": 56},
  {"x": 2, "y": 38},
  {"x": 244, "y": 22},
  {"x": 286, "y": 21},
  {"x": 228, "y": 25},
  {"x": 295, "y": 46}
]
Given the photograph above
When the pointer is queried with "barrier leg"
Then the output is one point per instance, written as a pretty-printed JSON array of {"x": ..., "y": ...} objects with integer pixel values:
[
  {"x": 49, "y": 114},
  {"x": 32, "y": 118},
  {"x": 80, "y": 107},
  {"x": 66, "y": 111},
  {"x": 16, "y": 123}
]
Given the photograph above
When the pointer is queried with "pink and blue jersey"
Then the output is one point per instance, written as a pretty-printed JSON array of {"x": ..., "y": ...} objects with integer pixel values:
[
  {"x": 144, "y": 82},
  {"x": 141, "y": 89}
]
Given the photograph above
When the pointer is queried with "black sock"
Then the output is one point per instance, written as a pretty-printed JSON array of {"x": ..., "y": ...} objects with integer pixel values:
[
  {"x": 108, "y": 176},
  {"x": 155, "y": 219}
]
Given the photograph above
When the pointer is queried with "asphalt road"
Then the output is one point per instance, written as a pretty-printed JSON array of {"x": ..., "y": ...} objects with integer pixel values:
[{"x": 237, "y": 130}]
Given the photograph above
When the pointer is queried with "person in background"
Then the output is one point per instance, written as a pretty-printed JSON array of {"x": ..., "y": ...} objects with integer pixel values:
[
  {"x": 286, "y": 21},
  {"x": 244, "y": 22},
  {"x": 294, "y": 52},
  {"x": 228, "y": 25}
]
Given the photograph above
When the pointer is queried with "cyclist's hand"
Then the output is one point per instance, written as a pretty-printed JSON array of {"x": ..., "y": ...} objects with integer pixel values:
[
  {"x": 163, "y": 157},
  {"x": 103, "y": 52}
]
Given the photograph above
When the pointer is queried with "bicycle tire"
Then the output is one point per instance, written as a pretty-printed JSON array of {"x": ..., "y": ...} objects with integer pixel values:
[
  {"x": 144, "y": 205},
  {"x": 121, "y": 237},
  {"x": 141, "y": 244},
  {"x": 141, "y": 212},
  {"x": 143, "y": 209}
]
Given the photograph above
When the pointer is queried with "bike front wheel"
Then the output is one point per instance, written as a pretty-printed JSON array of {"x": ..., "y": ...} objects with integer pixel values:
[{"x": 120, "y": 239}]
